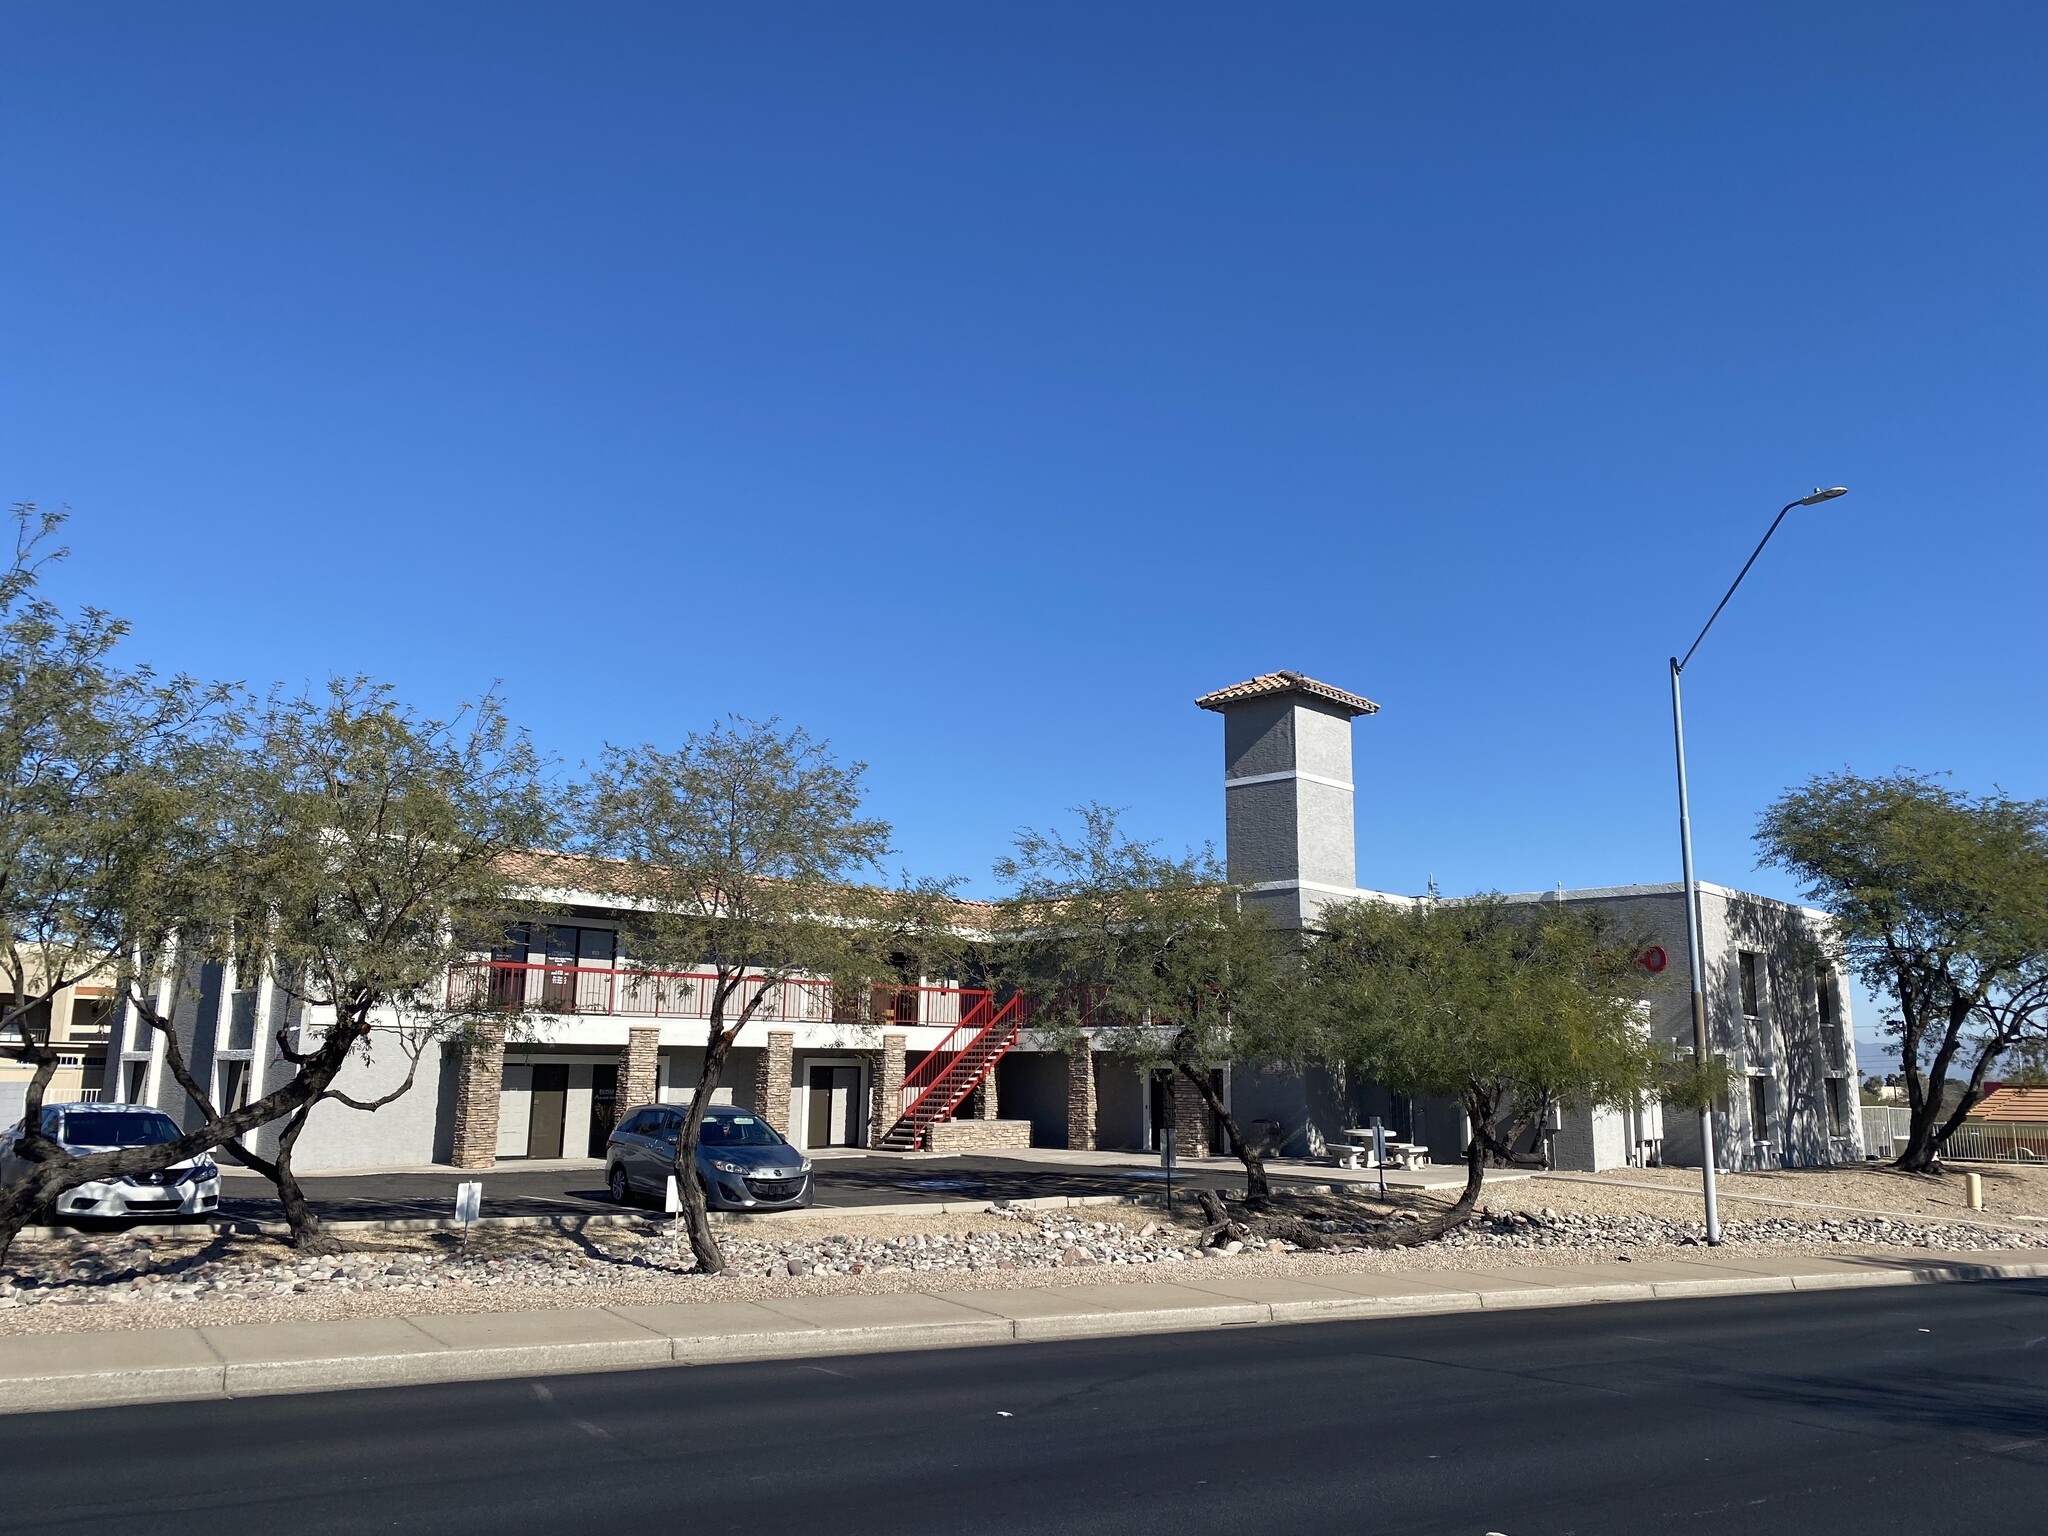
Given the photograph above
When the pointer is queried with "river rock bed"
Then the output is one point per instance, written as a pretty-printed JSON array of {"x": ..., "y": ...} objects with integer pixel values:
[
  {"x": 125, "y": 1270},
  {"x": 1550, "y": 1228}
]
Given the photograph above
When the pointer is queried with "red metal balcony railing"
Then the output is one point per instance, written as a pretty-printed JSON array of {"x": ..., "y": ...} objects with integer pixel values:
[{"x": 516, "y": 986}]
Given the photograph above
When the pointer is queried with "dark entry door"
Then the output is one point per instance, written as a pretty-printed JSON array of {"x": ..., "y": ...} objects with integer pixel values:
[
  {"x": 604, "y": 1106},
  {"x": 834, "y": 1118},
  {"x": 550, "y": 1104}
]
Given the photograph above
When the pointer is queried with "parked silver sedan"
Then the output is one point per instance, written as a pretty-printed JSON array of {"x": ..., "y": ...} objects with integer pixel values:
[
  {"x": 189, "y": 1188},
  {"x": 744, "y": 1163}
]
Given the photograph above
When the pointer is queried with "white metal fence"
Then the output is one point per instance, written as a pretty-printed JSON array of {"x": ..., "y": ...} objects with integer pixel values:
[
  {"x": 1997, "y": 1141},
  {"x": 1974, "y": 1141},
  {"x": 1881, "y": 1125}
]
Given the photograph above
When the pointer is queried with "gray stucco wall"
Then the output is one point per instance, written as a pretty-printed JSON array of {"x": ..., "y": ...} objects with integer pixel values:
[
  {"x": 400, "y": 1134},
  {"x": 1785, "y": 1043},
  {"x": 1032, "y": 1085}
]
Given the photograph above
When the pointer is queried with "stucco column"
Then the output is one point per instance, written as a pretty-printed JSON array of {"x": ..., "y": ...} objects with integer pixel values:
[
  {"x": 639, "y": 1068},
  {"x": 1081, "y": 1100},
  {"x": 771, "y": 1079},
  {"x": 482, "y": 1070},
  {"x": 886, "y": 1077}
]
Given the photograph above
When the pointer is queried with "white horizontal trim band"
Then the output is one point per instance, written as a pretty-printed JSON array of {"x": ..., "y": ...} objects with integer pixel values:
[
  {"x": 1291, "y": 773},
  {"x": 1312, "y": 885}
]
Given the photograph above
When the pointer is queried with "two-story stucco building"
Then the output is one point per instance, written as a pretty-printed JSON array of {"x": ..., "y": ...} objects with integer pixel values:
[{"x": 941, "y": 1063}]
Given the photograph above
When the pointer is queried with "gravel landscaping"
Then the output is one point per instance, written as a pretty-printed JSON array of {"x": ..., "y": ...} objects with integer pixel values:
[{"x": 128, "y": 1280}]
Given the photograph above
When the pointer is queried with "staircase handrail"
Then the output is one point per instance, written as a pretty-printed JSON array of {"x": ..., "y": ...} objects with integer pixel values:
[
  {"x": 1013, "y": 1007},
  {"x": 974, "y": 1020}
]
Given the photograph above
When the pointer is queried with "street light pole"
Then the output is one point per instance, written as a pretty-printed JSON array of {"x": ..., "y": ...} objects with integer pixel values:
[{"x": 1696, "y": 962}]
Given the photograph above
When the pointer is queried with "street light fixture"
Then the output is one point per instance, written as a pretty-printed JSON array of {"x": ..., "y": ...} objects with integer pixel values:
[{"x": 1696, "y": 963}]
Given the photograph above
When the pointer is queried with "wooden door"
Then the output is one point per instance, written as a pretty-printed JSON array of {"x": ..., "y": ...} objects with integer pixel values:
[{"x": 550, "y": 1105}]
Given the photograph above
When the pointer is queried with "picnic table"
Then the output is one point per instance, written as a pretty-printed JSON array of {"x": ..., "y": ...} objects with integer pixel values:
[{"x": 1355, "y": 1151}]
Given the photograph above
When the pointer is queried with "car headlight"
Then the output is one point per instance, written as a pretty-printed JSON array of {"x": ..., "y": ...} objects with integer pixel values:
[
  {"x": 198, "y": 1173},
  {"x": 729, "y": 1167}
]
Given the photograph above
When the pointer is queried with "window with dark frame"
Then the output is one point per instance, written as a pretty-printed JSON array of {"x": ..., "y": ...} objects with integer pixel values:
[
  {"x": 1760, "y": 1108},
  {"x": 1745, "y": 965},
  {"x": 1838, "y": 1106}
]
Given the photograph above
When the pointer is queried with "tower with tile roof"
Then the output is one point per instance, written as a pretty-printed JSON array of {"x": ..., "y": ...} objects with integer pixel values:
[{"x": 1287, "y": 790}]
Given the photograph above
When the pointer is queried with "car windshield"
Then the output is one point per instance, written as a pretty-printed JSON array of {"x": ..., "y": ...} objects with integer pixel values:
[
  {"x": 738, "y": 1131},
  {"x": 118, "y": 1128}
]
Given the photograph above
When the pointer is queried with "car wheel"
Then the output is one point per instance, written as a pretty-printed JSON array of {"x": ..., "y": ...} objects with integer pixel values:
[{"x": 621, "y": 1186}]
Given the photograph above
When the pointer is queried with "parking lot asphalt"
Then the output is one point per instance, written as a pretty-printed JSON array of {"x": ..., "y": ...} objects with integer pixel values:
[{"x": 842, "y": 1183}]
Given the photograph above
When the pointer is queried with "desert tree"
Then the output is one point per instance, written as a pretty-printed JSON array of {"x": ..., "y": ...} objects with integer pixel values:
[
  {"x": 103, "y": 797},
  {"x": 350, "y": 846},
  {"x": 744, "y": 858},
  {"x": 1510, "y": 1009},
  {"x": 369, "y": 848},
  {"x": 1941, "y": 899},
  {"x": 1155, "y": 959}
]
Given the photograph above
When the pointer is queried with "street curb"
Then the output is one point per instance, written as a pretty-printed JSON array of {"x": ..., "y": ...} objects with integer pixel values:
[{"x": 647, "y": 1347}]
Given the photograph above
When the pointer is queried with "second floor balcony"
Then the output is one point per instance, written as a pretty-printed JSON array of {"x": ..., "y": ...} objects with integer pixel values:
[{"x": 541, "y": 988}]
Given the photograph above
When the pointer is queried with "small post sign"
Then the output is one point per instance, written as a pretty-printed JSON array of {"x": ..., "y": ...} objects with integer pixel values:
[
  {"x": 469, "y": 1202},
  {"x": 672, "y": 1198},
  {"x": 1166, "y": 1155},
  {"x": 1379, "y": 1153}
]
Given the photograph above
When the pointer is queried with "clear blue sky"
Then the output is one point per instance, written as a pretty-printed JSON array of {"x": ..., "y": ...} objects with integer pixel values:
[{"x": 976, "y": 385}]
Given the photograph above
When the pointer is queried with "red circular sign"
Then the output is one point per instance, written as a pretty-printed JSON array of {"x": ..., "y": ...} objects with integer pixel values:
[{"x": 1654, "y": 959}]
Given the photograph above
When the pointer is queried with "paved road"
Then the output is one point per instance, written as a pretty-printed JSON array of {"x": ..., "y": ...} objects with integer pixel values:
[
  {"x": 841, "y": 1182},
  {"x": 1857, "y": 1413}
]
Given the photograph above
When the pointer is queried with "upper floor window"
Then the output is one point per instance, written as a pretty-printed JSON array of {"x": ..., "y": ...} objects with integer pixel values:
[
  {"x": 1745, "y": 963},
  {"x": 1824, "y": 996}
]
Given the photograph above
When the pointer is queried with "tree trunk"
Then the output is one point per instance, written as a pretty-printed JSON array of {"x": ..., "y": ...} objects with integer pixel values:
[
  {"x": 1258, "y": 1193},
  {"x": 696, "y": 1211},
  {"x": 23, "y": 1199},
  {"x": 1924, "y": 1132},
  {"x": 303, "y": 1221},
  {"x": 1457, "y": 1215},
  {"x": 307, "y": 1234}
]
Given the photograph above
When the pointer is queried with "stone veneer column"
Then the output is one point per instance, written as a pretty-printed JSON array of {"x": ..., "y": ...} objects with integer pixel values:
[
  {"x": 771, "y": 1079},
  {"x": 1081, "y": 1100},
  {"x": 885, "y": 1072},
  {"x": 1190, "y": 1118},
  {"x": 639, "y": 1068},
  {"x": 482, "y": 1069},
  {"x": 982, "y": 1103}
]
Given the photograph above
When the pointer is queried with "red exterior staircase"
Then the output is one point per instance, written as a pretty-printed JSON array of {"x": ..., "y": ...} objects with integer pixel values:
[{"x": 938, "y": 1085}]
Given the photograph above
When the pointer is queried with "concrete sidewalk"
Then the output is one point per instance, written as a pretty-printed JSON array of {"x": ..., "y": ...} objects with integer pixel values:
[{"x": 83, "y": 1370}]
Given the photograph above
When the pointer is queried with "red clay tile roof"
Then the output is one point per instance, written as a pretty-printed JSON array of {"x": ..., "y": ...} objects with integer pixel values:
[
  {"x": 1267, "y": 683},
  {"x": 2021, "y": 1104}
]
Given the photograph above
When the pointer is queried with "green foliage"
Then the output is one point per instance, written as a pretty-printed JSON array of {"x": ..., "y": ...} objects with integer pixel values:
[
  {"x": 105, "y": 787},
  {"x": 744, "y": 853},
  {"x": 374, "y": 844},
  {"x": 1159, "y": 956},
  {"x": 1941, "y": 899},
  {"x": 1509, "y": 1008}
]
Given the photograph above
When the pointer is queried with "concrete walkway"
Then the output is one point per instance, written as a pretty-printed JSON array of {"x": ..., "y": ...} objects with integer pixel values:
[{"x": 80, "y": 1370}]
